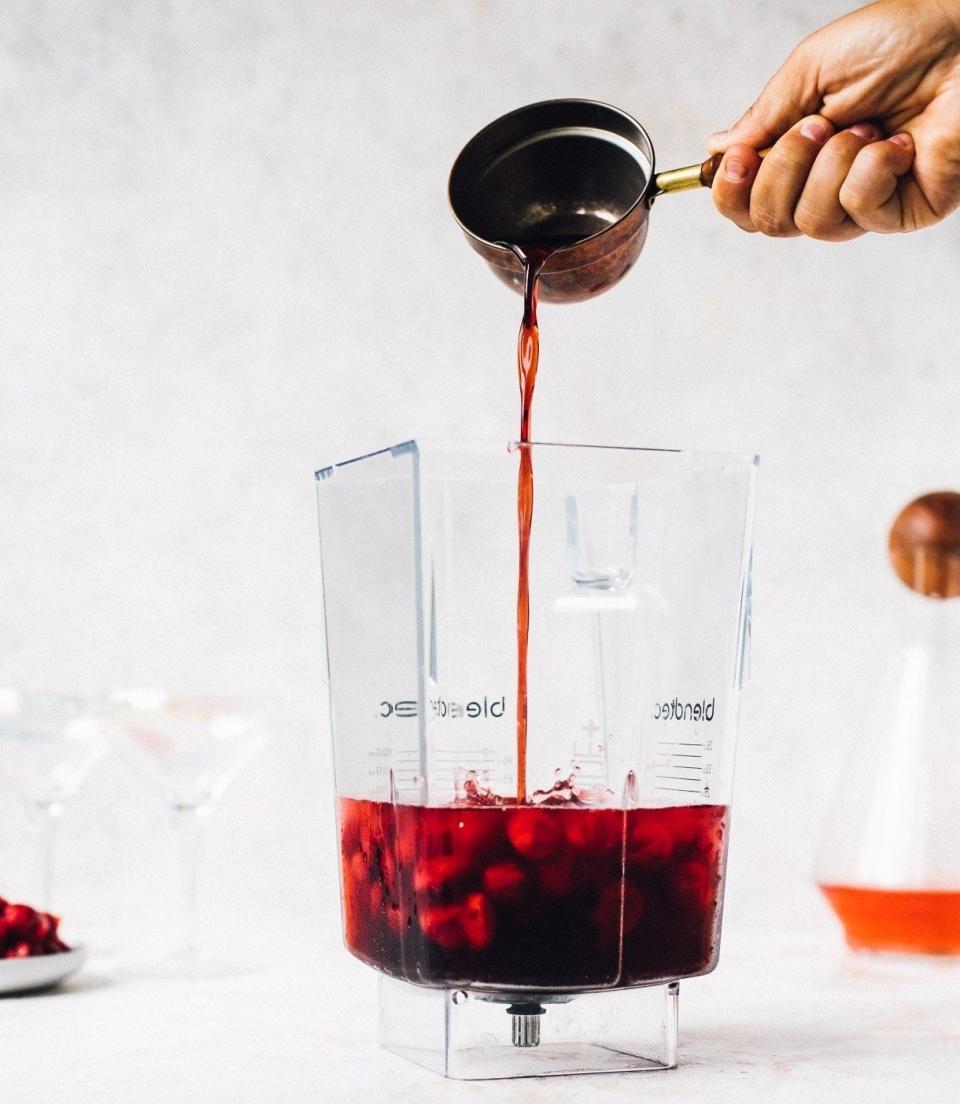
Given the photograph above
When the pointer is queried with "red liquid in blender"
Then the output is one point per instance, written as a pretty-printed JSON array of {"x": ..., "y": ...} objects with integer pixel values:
[{"x": 545, "y": 897}]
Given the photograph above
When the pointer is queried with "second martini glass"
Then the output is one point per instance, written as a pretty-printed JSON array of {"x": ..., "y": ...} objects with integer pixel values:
[{"x": 191, "y": 748}]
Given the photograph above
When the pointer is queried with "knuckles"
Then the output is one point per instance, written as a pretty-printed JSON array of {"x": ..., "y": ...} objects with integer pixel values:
[
  {"x": 770, "y": 223},
  {"x": 856, "y": 200},
  {"x": 816, "y": 224}
]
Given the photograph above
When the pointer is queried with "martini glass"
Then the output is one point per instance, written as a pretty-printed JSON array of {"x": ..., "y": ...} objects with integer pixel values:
[
  {"x": 49, "y": 743},
  {"x": 191, "y": 749}
]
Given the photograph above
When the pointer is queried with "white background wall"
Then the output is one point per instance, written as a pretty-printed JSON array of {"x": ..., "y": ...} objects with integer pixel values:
[{"x": 226, "y": 259}]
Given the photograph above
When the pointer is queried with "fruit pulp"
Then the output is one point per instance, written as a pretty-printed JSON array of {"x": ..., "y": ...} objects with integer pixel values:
[
  {"x": 546, "y": 897},
  {"x": 913, "y": 921}
]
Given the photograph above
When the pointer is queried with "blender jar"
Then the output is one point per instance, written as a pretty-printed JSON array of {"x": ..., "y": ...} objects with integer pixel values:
[{"x": 532, "y": 932}]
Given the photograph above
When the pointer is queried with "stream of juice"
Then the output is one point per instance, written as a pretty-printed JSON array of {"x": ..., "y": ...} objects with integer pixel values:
[
  {"x": 533, "y": 256},
  {"x": 528, "y": 357}
]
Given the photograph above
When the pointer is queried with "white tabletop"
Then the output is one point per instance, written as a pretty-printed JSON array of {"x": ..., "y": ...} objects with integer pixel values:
[{"x": 783, "y": 1018}]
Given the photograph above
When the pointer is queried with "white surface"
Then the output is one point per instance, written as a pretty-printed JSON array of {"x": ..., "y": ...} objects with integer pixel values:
[
  {"x": 227, "y": 260},
  {"x": 18, "y": 975},
  {"x": 779, "y": 1021}
]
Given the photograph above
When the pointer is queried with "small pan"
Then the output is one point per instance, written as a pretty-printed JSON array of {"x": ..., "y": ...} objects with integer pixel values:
[{"x": 577, "y": 174}]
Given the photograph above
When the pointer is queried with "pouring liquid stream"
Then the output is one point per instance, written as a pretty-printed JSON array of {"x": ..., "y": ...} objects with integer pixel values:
[{"x": 533, "y": 257}]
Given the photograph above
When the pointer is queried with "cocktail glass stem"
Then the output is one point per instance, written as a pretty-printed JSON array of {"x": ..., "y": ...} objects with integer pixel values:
[
  {"x": 51, "y": 813},
  {"x": 190, "y": 827}
]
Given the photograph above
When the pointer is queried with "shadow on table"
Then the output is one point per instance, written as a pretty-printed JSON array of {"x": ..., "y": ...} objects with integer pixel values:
[{"x": 84, "y": 984}]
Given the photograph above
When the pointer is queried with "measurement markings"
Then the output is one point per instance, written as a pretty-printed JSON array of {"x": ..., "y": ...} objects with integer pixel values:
[{"x": 466, "y": 751}]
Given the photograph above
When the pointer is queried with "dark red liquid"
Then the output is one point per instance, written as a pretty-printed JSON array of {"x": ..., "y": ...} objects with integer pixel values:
[
  {"x": 533, "y": 257},
  {"x": 528, "y": 357},
  {"x": 548, "y": 897}
]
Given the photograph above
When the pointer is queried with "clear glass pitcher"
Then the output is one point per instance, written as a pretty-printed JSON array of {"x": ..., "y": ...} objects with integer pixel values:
[{"x": 608, "y": 874}]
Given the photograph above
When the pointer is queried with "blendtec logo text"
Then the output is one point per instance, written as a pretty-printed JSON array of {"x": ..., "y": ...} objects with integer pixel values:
[
  {"x": 440, "y": 708},
  {"x": 677, "y": 710}
]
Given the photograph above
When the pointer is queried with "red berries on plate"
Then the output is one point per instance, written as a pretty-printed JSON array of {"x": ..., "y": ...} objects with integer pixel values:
[{"x": 25, "y": 932}]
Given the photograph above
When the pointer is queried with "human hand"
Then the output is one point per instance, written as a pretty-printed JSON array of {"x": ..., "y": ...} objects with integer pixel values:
[{"x": 890, "y": 68}]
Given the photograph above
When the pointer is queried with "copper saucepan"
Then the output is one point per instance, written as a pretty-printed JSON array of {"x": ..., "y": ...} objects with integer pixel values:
[{"x": 574, "y": 170}]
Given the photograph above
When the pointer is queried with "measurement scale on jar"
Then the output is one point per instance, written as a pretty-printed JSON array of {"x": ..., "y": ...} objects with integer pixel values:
[
  {"x": 684, "y": 766},
  {"x": 403, "y": 764},
  {"x": 448, "y": 763}
]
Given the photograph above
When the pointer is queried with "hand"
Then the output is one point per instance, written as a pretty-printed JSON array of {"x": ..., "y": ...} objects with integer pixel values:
[{"x": 891, "y": 68}]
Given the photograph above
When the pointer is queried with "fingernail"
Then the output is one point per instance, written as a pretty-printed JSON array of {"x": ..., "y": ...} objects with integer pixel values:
[
  {"x": 867, "y": 131},
  {"x": 734, "y": 169},
  {"x": 719, "y": 135},
  {"x": 815, "y": 131},
  {"x": 903, "y": 139}
]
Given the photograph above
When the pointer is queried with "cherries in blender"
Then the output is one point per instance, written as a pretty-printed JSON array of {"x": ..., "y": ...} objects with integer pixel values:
[{"x": 541, "y": 896}]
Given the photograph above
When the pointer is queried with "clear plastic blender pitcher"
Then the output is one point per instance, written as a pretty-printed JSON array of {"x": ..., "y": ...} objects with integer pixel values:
[{"x": 542, "y": 935}]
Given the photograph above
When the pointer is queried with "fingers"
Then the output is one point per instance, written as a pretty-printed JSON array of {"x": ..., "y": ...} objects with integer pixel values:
[
  {"x": 819, "y": 212},
  {"x": 781, "y": 177},
  {"x": 870, "y": 193},
  {"x": 733, "y": 182},
  {"x": 763, "y": 196},
  {"x": 825, "y": 185}
]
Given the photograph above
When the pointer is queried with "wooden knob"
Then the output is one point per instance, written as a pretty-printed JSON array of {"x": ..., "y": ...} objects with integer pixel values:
[{"x": 925, "y": 544}]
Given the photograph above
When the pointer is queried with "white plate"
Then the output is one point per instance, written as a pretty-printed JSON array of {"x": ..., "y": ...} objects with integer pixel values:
[{"x": 20, "y": 975}]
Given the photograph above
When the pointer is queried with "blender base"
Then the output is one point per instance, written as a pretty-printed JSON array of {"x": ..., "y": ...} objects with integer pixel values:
[{"x": 468, "y": 1036}]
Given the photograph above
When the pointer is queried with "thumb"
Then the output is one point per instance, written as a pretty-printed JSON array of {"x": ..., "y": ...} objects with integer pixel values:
[{"x": 790, "y": 95}]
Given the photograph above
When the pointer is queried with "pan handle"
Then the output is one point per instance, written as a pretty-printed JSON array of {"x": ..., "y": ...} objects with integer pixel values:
[{"x": 690, "y": 176}]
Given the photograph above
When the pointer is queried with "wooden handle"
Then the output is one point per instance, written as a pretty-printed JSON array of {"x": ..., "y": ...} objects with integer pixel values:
[{"x": 708, "y": 170}]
